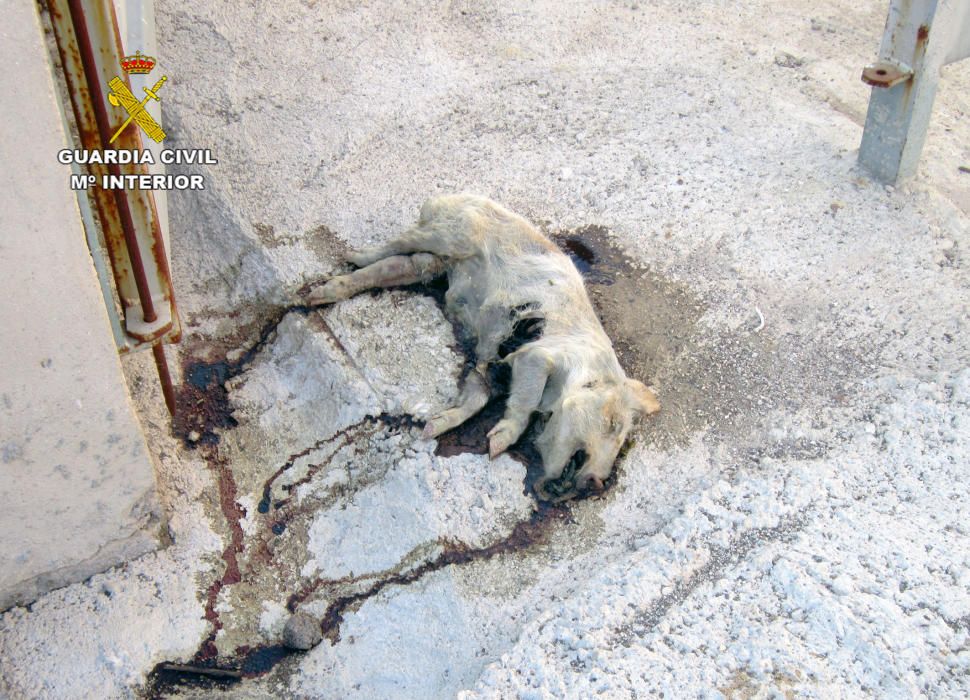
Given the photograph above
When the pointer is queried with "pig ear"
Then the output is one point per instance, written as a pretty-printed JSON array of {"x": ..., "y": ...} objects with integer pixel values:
[{"x": 641, "y": 398}]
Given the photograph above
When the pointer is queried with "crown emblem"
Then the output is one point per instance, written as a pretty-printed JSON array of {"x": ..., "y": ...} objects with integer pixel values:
[{"x": 138, "y": 63}]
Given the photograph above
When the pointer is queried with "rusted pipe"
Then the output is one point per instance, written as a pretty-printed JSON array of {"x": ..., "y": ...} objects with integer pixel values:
[
  {"x": 168, "y": 390},
  {"x": 104, "y": 131}
]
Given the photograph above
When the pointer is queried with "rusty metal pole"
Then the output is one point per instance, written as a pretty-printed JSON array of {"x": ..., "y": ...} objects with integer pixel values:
[
  {"x": 168, "y": 389},
  {"x": 104, "y": 131}
]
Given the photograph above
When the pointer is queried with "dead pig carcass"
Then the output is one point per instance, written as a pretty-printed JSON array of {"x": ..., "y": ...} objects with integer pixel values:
[{"x": 506, "y": 280}]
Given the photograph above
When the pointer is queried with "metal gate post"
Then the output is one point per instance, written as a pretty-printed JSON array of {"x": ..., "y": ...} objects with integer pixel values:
[
  {"x": 921, "y": 37},
  {"x": 90, "y": 50}
]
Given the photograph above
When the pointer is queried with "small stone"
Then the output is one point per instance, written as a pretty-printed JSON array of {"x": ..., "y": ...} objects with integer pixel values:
[
  {"x": 821, "y": 25},
  {"x": 194, "y": 436},
  {"x": 302, "y": 632},
  {"x": 786, "y": 60}
]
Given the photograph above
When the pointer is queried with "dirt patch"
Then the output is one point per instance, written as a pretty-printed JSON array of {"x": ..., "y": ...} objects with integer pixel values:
[
  {"x": 327, "y": 246},
  {"x": 707, "y": 376},
  {"x": 649, "y": 319},
  {"x": 267, "y": 235}
]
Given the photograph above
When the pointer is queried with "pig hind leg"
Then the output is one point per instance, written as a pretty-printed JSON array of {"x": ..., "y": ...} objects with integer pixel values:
[
  {"x": 438, "y": 238},
  {"x": 392, "y": 271}
]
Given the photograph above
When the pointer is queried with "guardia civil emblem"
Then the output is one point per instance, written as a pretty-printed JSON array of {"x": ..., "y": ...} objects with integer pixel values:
[{"x": 121, "y": 96}]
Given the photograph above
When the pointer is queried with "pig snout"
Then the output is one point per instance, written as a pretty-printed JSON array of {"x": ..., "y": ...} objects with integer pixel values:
[{"x": 589, "y": 484}]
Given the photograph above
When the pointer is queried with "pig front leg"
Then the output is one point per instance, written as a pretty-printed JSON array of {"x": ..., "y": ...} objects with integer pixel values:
[
  {"x": 530, "y": 370},
  {"x": 472, "y": 399},
  {"x": 389, "y": 272}
]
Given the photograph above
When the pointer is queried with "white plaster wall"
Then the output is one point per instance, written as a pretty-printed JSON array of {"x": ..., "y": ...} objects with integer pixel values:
[{"x": 76, "y": 483}]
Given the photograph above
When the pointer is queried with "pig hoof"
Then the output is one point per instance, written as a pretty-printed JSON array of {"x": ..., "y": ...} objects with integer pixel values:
[
  {"x": 499, "y": 438},
  {"x": 302, "y": 632},
  {"x": 330, "y": 292}
]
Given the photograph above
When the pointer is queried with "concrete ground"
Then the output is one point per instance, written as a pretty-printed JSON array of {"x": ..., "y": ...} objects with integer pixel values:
[{"x": 793, "y": 522}]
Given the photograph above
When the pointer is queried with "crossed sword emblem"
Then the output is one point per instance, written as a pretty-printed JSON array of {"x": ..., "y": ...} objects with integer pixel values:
[{"x": 123, "y": 97}]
